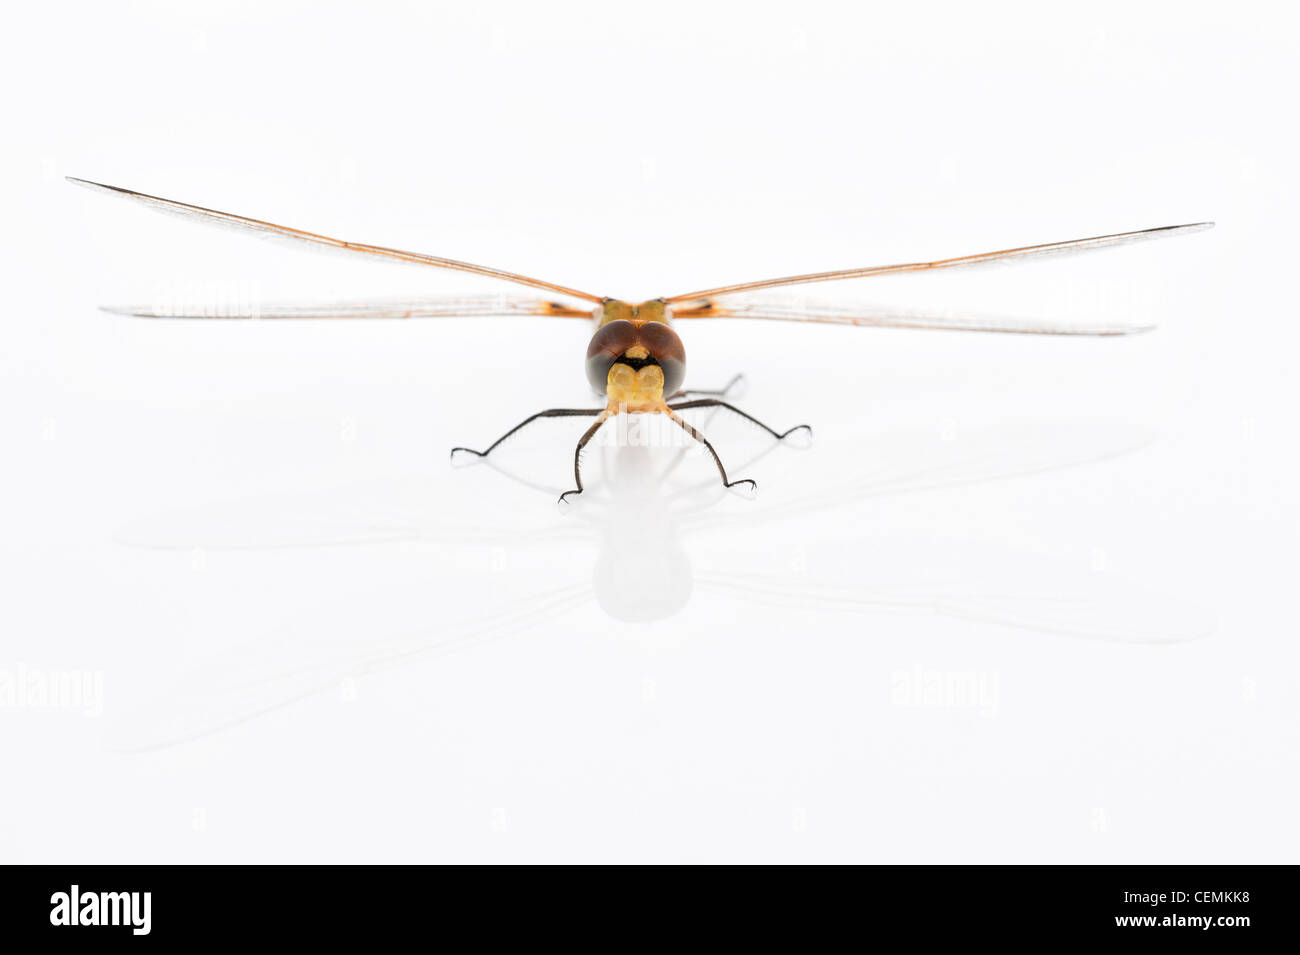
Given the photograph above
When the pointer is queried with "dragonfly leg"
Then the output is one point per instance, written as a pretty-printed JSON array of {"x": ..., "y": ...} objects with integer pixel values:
[
  {"x": 549, "y": 413},
  {"x": 744, "y": 483},
  {"x": 725, "y": 390},
  {"x": 715, "y": 403},
  {"x": 602, "y": 417}
]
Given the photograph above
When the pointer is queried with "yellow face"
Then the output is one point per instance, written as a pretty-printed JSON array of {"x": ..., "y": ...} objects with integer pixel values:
[{"x": 635, "y": 389}]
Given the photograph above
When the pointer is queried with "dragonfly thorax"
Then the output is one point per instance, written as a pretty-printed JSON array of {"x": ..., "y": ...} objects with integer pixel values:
[{"x": 614, "y": 310}]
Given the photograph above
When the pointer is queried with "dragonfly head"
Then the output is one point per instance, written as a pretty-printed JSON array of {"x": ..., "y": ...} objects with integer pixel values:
[{"x": 635, "y": 358}]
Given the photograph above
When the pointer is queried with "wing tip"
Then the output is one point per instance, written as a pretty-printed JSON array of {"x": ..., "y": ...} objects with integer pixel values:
[
  {"x": 144, "y": 311},
  {"x": 130, "y": 311},
  {"x": 99, "y": 186}
]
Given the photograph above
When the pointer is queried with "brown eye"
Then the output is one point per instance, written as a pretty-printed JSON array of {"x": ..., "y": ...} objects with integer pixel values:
[
  {"x": 674, "y": 374},
  {"x": 610, "y": 341},
  {"x": 667, "y": 350}
]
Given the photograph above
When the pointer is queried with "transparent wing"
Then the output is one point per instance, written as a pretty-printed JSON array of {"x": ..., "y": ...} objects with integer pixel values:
[
  {"x": 899, "y": 318},
  {"x": 271, "y": 230},
  {"x": 461, "y": 307},
  {"x": 984, "y": 258}
]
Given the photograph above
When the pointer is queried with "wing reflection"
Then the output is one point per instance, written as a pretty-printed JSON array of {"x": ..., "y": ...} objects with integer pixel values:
[{"x": 652, "y": 522}]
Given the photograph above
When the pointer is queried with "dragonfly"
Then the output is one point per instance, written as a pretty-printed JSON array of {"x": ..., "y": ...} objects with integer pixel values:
[{"x": 636, "y": 361}]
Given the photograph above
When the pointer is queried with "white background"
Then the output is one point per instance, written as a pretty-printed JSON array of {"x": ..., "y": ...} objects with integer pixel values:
[{"x": 1024, "y": 599}]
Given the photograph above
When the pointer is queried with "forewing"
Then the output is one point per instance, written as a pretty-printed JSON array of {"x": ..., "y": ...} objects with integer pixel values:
[
  {"x": 271, "y": 230},
  {"x": 1073, "y": 247}
]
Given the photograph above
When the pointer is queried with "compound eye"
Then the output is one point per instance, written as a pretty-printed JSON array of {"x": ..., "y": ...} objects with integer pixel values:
[
  {"x": 610, "y": 341},
  {"x": 667, "y": 350}
]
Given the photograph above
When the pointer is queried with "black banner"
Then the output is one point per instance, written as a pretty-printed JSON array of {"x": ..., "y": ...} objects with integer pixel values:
[{"x": 136, "y": 905}]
